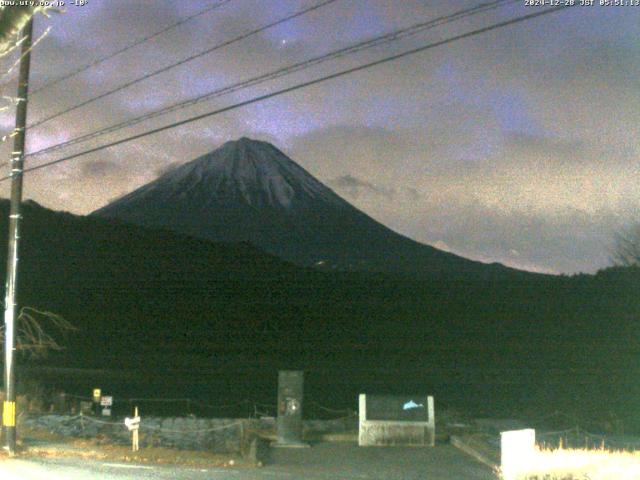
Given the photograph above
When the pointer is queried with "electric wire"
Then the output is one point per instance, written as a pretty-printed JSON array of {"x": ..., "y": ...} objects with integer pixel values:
[
  {"x": 181, "y": 62},
  {"x": 303, "y": 65},
  {"x": 146, "y": 39},
  {"x": 299, "y": 86}
]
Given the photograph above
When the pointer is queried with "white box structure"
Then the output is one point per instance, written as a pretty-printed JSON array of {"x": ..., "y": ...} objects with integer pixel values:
[
  {"x": 517, "y": 452},
  {"x": 413, "y": 424}
]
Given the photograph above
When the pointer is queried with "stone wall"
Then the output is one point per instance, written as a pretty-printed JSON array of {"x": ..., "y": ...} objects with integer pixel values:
[
  {"x": 217, "y": 435},
  {"x": 220, "y": 435}
]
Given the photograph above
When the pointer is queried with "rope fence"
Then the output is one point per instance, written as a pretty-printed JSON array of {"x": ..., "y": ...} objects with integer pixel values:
[
  {"x": 161, "y": 429},
  {"x": 251, "y": 409}
]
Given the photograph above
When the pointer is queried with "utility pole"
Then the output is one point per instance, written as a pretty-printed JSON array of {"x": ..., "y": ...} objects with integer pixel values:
[{"x": 10, "y": 303}]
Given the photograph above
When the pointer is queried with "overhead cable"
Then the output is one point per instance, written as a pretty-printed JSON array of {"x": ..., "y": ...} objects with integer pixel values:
[
  {"x": 288, "y": 70},
  {"x": 299, "y": 86},
  {"x": 179, "y": 63}
]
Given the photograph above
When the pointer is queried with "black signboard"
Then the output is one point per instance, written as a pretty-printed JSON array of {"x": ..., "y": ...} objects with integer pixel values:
[{"x": 400, "y": 408}]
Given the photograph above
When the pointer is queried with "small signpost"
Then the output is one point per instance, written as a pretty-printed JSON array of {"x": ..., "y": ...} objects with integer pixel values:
[
  {"x": 97, "y": 395},
  {"x": 133, "y": 424},
  {"x": 106, "y": 402}
]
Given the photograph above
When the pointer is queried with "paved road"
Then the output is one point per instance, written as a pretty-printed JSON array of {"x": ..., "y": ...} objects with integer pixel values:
[
  {"x": 322, "y": 462},
  {"x": 72, "y": 469}
]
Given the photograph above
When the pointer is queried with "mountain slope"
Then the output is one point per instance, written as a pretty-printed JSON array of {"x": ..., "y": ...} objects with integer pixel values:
[
  {"x": 250, "y": 191},
  {"x": 230, "y": 316}
]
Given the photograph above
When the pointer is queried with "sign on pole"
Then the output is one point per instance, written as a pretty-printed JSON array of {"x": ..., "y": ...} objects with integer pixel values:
[{"x": 133, "y": 424}]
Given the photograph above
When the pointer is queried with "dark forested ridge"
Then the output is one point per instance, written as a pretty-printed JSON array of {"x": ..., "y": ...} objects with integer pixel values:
[{"x": 156, "y": 301}]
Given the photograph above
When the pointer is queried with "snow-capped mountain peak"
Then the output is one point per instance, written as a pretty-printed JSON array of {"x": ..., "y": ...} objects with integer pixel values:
[
  {"x": 246, "y": 170},
  {"x": 250, "y": 191}
]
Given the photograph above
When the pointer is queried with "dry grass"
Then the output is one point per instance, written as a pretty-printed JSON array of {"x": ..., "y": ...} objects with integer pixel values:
[
  {"x": 581, "y": 464},
  {"x": 56, "y": 446},
  {"x": 118, "y": 453}
]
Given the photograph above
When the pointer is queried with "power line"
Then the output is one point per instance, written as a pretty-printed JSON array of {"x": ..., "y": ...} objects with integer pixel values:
[
  {"x": 182, "y": 62},
  {"x": 148, "y": 38},
  {"x": 370, "y": 43},
  {"x": 301, "y": 85}
]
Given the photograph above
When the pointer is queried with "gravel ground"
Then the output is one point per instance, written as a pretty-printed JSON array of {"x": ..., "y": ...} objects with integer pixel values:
[{"x": 321, "y": 462}]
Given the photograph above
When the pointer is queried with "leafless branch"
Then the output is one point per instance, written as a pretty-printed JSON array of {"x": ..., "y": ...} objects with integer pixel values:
[
  {"x": 13, "y": 18},
  {"x": 37, "y": 331}
]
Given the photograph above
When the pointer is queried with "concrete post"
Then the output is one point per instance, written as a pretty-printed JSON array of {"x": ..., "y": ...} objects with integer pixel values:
[
  {"x": 290, "y": 396},
  {"x": 431, "y": 421},
  {"x": 11, "y": 312},
  {"x": 517, "y": 452}
]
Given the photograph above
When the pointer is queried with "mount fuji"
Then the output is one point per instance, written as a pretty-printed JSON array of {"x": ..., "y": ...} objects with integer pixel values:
[{"x": 249, "y": 191}]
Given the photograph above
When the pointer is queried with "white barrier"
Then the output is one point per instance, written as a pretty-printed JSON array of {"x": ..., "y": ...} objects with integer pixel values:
[{"x": 517, "y": 452}]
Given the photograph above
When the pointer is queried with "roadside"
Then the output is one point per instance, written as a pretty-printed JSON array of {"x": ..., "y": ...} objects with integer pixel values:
[
  {"x": 41, "y": 443},
  {"x": 43, "y": 453},
  {"x": 325, "y": 461}
]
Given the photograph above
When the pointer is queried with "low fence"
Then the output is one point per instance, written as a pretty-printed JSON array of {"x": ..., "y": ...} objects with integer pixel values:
[
  {"x": 68, "y": 403},
  {"x": 220, "y": 435}
]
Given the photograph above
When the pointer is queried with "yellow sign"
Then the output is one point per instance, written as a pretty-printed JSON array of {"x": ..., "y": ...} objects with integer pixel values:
[
  {"x": 9, "y": 414},
  {"x": 97, "y": 393}
]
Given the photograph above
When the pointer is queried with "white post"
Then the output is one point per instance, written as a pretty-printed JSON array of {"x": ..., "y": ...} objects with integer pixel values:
[
  {"x": 362, "y": 400},
  {"x": 517, "y": 452},
  {"x": 134, "y": 436},
  {"x": 362, "y": 416},
  {"x": 431, "y": 421}
]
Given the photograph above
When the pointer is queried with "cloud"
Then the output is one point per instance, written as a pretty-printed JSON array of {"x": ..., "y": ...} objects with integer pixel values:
[
  {"x": 533, "y": 200},
  {"x": 546, "y": 147},
  {"x": 569, "y": 241},
  {"x": 339, "y": 150},
  {"x": 98, "y": 168},
  {"x": 353, "y": 187}
]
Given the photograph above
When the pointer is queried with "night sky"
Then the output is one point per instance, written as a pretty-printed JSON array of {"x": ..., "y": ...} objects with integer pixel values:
[{"x": 518, "y": 146}]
